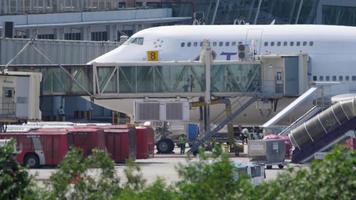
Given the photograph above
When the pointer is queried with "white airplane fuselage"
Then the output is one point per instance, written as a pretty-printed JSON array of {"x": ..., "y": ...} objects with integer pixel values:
[{"x": 332, "y": 49}]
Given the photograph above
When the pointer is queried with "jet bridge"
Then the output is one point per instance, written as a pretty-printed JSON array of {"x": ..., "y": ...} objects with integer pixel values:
[{"x": 107, "y": 84}]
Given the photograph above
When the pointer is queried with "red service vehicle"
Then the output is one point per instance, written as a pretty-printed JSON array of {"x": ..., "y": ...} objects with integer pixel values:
[
  {"x": 145, "y": 142},
  {"x": 39, "y": 147}
]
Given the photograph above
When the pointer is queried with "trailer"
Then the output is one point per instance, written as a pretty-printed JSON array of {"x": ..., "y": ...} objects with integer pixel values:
[
  {"x": 144, "y": 142},
  {"x": 267, "y": 152}
]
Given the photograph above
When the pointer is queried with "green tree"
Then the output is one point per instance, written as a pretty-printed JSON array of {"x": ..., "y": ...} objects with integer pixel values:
[
  {"x": 15, "y": 181},
  {"x": 331, "y": 178},
  {"x": 84, "y": 178},
  {"x": 211, "y": 177}
]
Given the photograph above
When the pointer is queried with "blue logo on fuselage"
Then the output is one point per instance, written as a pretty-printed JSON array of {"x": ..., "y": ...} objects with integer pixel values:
[{"x": 228, "y": 54}]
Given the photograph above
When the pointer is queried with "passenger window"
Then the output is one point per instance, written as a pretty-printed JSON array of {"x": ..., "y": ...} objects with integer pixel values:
[
  {"x": 182, "y": 44},
  {"x": 266, "y": 44},
  {"x": 334, "y": 78},
  {"x": 291, "y": 44},
  {"x": 195, "y": 44},
  {"x": 215, "y": 43},
  {"x": 227, "y": 44},
  {"x": 221, "y": 44},
  {"x": 189, "y": 44},
  {"x": 353, "y": 78},
  {"x": 327, "y": 78},
  {"x": 233, "y": 44},
  {"x": 341, "y": 78},
  {"x": 311, "y": 43},
  {"x": 285, "y": 43},
  {"x": 315, "y": 78},
  {"x": 278, "y": 43},
  {"x": 305, "y": 43},
  {"x": 272, "y": 44},
  {"x": 298, "y": 44},
  {"x": 321, "y": 78},
  {"x": 347, "y": 78}
]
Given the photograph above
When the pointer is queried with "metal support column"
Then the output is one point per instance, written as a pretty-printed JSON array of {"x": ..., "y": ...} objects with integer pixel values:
[
  {"x": 258, "y": 12},
  {"x": 215, "y": 11}
]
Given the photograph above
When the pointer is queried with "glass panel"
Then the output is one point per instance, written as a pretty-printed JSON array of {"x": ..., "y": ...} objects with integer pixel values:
[
  {"x": 145, "y": 79},
  {"x": 236, "y": 78}
]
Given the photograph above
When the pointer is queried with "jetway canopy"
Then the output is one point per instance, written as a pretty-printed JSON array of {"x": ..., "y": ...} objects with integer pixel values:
[{"x": 268, "y": 76}]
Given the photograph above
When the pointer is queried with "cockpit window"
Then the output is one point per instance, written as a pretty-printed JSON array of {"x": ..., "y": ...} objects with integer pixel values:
[{"x": 137, "y": 41}]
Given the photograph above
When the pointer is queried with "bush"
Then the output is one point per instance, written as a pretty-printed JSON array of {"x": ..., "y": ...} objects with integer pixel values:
[
  {"x": 211, "y": 177},
  {"x": 84, "y": 178},
  {"x": 15, "y": 182}
]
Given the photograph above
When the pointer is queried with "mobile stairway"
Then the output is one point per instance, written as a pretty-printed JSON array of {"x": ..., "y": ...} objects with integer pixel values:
[{"x": 323, "y": 130}]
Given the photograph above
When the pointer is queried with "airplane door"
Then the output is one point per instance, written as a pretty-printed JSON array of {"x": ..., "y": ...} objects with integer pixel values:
[{"x": 254, "y": 40}]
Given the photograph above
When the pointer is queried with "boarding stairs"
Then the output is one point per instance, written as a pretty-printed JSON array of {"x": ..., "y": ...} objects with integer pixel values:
[
  {"x": 209, "y": 134},
  {"x": 323, "y": 131}
]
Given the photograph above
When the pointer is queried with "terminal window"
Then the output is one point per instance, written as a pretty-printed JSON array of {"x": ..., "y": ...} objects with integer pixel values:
[
  {"x": 233, "y": 43},
  {"x": 215, "y": 43},
  {"x": 99, "y": 36},
  {"x": 327, "y": 78},
  {"x": 334, "y": 78},
  {"x": 305, "y": 43},
  {"x": 227, "y": 44},
  {"x": 46, "y": 36},
  {"x": 278, "y": 43},
  {"x": 266, "y": 44},
  {"x": 291, "y": 43},
  {"x": 353, "y": 78},
  {"x": 221, "y": 44},
  {"x": 72, "y": 36},
  {"x": 285, "y": 43},
  {"x": 189, "y": 44},
  {"x": 298, "y": 43},
  {"x": 321, "y": 78},
  {"x": 347, "y": 78},
  {"x": 272, "y": 44},
  {"x": 315, "y": 78},
  {"x": 341, "y": 78},
  {"x": 195, "y": 44},
  {"x": 182, "y": 44},
  {"x": 311, "y": 43}
]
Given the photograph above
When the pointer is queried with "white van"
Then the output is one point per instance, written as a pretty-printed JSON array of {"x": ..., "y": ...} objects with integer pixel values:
[{"x": 255, "y": 172}]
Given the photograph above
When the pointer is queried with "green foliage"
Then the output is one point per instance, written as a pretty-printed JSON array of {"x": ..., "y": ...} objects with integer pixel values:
[
  {"x": 210, "y": 177},
  {"x": 15, "y": 182},
  {"x": 84, "y": 178},
  {"x": 332, "y": 178}
]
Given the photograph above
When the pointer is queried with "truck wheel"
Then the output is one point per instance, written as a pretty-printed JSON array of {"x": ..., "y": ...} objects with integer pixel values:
[
  {"x": 32, "y": 161},
  {"x": 269, "y": 166},
  {"x": 165, "y": 146},
  {"x": 280, "y": 166}
]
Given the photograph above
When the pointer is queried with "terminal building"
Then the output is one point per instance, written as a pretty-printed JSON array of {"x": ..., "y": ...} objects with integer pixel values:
[
  {"x": 103, "y": 20},
  {"x": 77, "y": 31}
]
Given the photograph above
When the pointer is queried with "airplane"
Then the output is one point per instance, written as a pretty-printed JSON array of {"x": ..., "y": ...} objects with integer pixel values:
[{"x": 331, "y": 51}]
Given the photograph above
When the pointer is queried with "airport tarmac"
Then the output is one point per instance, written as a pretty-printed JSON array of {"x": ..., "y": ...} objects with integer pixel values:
[{"x": 163, "y": 166}]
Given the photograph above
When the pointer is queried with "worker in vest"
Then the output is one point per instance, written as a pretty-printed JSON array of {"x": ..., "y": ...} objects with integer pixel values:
[{"x": 181, "y": 143}]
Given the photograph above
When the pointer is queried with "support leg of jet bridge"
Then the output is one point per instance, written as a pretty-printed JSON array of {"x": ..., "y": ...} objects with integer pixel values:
[{"x": 228, "y": 119}]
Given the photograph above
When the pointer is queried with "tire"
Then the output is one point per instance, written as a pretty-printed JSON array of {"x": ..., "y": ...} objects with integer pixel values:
[
  {"x": 280, "y": 166},
  {"x": 269, "y": 166},
  {"x": 165, "y": 146},
  {"x": 32, "y": 161}
]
